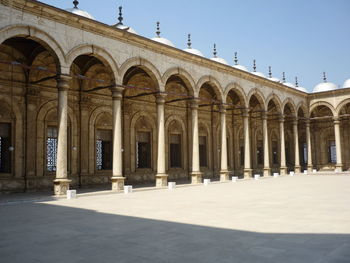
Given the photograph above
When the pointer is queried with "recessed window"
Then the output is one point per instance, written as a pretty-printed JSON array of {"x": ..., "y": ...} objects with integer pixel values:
[
  {"x": 175, "y": 150},
  {"x": 143, "y": 144},
  {"x": 260, "y": 153},
  {"x": 332, "y": 152},
  {"x": 5, "y": 145},
  {"x": 51, "y": 148},
  {"x": 274, "y": 152},
  {"x": 203, "y": 151},
  {"x": 104, "y": 150}
]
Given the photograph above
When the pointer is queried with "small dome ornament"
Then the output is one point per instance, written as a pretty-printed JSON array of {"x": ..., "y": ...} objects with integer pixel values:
[
  {"x": 160, "y": 39},
  {"x": 75, "y": 10},
  {"x": 256, "y": 73},
  {"x": 189, "y": 48},
  {"x": 216, "y": 58},
  {"x": 120, "y": 24},
  {"x": 272, "y": 78},
  {"x": 288, "y": 84},
  {"x": 297, "y": 86},
  {"x": 236, "y": 65},
  {"x": 346, "y": 84},
  {"x": 325, "y": 85}
]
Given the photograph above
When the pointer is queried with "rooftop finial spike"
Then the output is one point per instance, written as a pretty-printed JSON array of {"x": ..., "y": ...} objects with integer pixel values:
[
  {"x": 283, "y": 77},
  {"x": 296, "y": 82},
  {"x": 158, "y": 30},
  {"x": 324, "y": 77},
  {"x": 236, "y": 59},
  {"x": 254, "y": 65},
  {"x": 75, "y": 3},
  {"x": 120, "y": 18},
  {"x": 189, "y": 41},
  {"x": 270, "y": 73},
  {"x": 214, "y": 52}
]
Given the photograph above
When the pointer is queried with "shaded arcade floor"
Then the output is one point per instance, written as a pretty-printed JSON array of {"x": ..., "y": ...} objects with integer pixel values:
[{"x": 289, "y": 219}]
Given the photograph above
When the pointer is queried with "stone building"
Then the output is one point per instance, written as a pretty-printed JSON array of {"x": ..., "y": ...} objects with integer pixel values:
[{"x": 85, "y": 104}]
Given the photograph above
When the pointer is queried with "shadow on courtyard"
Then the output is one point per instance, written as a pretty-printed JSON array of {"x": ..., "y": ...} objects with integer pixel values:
[{"x": 36, "y": 232}]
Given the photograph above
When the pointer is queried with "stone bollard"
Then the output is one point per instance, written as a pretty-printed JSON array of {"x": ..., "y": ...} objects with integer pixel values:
[
  {"x": 291, "y": 173},
  {"x": 206, "y": 182},
  {"x": 234, "y": 179},
  {"x": 171, "y": 185},
  {"x": 127, "y": 189},
  {"x": 256, "y": 176},
  {"x": 305, "y": 171},
  {"x": 314, "y": 171},
  {"x": 71, "y": 194},
  {"x": 275, "y": 175}
]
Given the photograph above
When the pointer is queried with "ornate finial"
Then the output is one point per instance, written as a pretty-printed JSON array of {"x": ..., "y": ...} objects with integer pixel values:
[
  {"x": 158, "y": 30},
  {"x": 283, "y": 77},
  {"x": 254, "y": 65},
  {"x": 324, "y": 77},
  {"x": 76, "y": 3},
  {"x": 270, "y": 73},
  {"x": 296, "y": 82},
  {"x": 120, "y": 18},
  {"x": 189, "y": 41},
  {"x": 236, "y": 59},
  {"x": 214, "y": 52}
]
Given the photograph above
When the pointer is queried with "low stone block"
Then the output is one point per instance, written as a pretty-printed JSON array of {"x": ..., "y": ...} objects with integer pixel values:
[
  {"x": 256, "y": 176},
  {"x": 305, "y": 171},
  {"x": 71, "y": 194},
  {"x": 206, "y": 182},
  {"x": 275, "y": 175},
  {"x": 127, "y": 189},
  {"x": 314, "y": 171},
  {"x": 291, "y": 173},
  {"x": 171, "y": 185},
  {"x": 234, "y": 179}
]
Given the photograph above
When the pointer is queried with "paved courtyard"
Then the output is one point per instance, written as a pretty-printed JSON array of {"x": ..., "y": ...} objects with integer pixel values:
[{"x": 288, "y": 219}]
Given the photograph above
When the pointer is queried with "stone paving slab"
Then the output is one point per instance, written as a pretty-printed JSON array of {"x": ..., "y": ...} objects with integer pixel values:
[{"x": 288, "y": 219}]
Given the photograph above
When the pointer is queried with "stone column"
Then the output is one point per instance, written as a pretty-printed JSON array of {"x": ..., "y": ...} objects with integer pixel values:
[
  {"x": 283, "y": 168},
  {"x": 196, "y": 175},
  {"x": 297, "y": 168},
  {"x": 339, "y": 165},
  {"x": 61, "y": 183},
  {"x": 161, "y": 176},
  {"x": 247, "y": 162},
  {"x": 309, "y": 152},
  {"x": 267, "y": 169},
  {"x": 117, "y": 166},
  {"x": 224, "y": 173}
]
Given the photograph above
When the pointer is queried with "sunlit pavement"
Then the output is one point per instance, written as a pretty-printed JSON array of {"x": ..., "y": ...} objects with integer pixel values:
[{"x": 285, "y": 219}]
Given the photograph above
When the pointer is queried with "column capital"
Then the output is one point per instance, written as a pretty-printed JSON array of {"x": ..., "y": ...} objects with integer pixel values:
[
  {"x": 63, "y": 82},
  {"x": 117, "y": 92},
  {"x": 160, "y": 98},
  {"x": 336, "y": 120},
  {"x": 245, "y": 112},
  {"x": 281, "y": 119},
  {"x": 223, "y": 108},
  {"x": 194, "y": 103},
  {"x": 295, "y": 121},
  {"x": 264, "y": 115}
]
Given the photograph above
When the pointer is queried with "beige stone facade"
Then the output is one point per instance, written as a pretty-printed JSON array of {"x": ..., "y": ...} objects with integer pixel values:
[{"x": 86, "y": 104}]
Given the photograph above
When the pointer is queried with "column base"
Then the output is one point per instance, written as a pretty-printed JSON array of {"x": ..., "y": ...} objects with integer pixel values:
[
  {"x": 267, "y": 172},
  {"x": 117, "y": 183},
  {"x": 60, "y": 187},
  {"x": 297, "y": 169},
  {"x": 310, "y": 168},
  {"x": 339, "y": 167},
  {"x": 224, "y": 176},
  {"x": 247, "y": 173},
  {"x": 283, "y": 171},
  {"x": 161, "y": 180},
  {"x": 196, "y": 178}
]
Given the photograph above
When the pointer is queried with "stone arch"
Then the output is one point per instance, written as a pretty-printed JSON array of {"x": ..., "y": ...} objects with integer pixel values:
[
  {"x": 41, "y": 37},
  {"x": 258, "y": 94},
  {"x": 43, "y": 111},
  {"x": 238, "y": 89},
  {"x": 341, "y": 105},
  {"x": 147, "y": 66},
  {"x": 18, "y": 134},
  {"x": 99, "y": 53},
  {"x": 302, "y": 106},
  {"x": 276, "y": 100},
  {"x": 289, "y": 102},
  {"x": 152, "y": 122},
  {"x": 183, "y": 74},
  {"x": 216, "y": 86},
  {"x": 322, "y": 103}
]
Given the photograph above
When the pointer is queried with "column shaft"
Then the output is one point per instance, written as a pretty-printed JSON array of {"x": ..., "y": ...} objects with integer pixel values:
[
  {"x": 339, "y": 165},
  {"x": 195, "y": 173},
  {"x": 309, "y": 152},
  {"x": 224, "y": 174},
  {"x": 247, "y": 163},
  {"x": 283, "y": 168},
  {"x": 267, "y": 169},
  {"x": 296, "y": 144},
  {"x": 161, "y": 177}
]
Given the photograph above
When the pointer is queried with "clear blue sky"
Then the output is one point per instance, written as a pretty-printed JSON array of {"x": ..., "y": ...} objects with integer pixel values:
[{"x": 301, "y": 37}]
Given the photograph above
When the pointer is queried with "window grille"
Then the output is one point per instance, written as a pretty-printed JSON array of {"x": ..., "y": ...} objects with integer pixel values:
[
  {"x": 175, "y": 150},
  {"x": 51, "y": 149}
]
